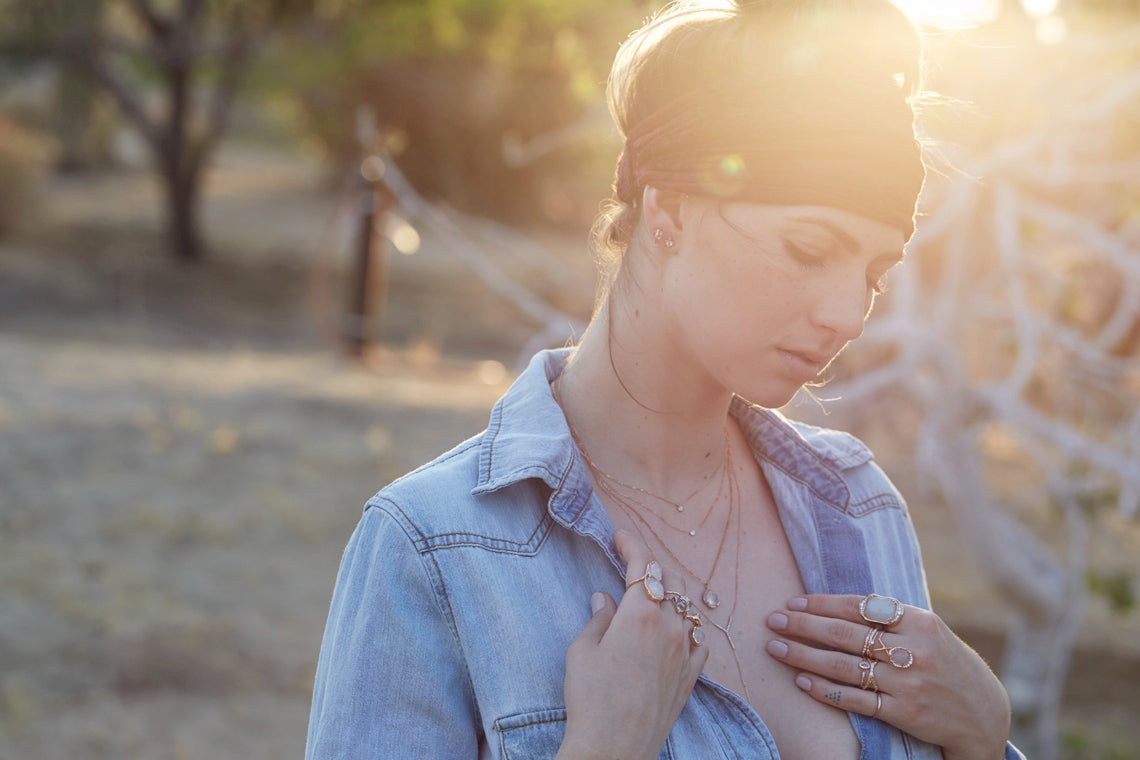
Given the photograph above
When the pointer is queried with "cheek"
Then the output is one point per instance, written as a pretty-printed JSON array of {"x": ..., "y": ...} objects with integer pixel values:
[{"x": 737, "y": 300}]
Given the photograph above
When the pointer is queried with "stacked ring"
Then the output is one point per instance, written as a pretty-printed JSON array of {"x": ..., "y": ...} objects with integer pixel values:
[
  {"x": 867, "y": 681},
  {"x": 872, "y": 632},
  {"x": 654, "y": 588},
  {"x": 683, "y": 605},
  {"x": 900, "y": 658}
]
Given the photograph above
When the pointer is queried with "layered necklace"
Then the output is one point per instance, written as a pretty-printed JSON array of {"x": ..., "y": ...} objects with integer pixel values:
[{"x": 624, "y": 496}]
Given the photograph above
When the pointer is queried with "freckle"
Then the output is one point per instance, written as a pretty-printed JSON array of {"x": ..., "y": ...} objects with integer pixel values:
[{"x": 637, "y": 312}]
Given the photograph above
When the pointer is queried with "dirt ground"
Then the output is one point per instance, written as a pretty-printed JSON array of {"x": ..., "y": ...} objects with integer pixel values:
[{"x": 183, "y": 453}]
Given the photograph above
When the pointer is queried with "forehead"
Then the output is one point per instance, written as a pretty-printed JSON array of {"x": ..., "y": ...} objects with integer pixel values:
[{"x": 848, "y": 229}]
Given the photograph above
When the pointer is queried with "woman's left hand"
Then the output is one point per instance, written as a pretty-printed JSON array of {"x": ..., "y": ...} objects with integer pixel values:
[{"x": 947, "y": 696}]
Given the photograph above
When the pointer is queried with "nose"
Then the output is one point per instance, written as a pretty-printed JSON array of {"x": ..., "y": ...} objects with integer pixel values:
[{"x": 843, "y": 307}]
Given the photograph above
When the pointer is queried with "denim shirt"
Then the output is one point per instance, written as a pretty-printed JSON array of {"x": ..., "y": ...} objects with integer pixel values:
[{"x": 466, "y": 581}]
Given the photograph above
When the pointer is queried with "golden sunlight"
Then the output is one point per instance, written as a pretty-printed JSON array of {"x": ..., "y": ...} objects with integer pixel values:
[
  {"x": 1039, "y": 8},
  {"x": 952, "y": 13}
]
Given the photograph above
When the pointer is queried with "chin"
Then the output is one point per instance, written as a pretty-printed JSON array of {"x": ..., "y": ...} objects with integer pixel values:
[{"x": 770, "y": 398}]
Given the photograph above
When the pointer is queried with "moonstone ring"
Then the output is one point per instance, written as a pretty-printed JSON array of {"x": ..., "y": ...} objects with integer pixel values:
[
  {"x": 898, "y": 657},
  {"x": 881, "y": 610},
  {"x": 654, "y": 588}
]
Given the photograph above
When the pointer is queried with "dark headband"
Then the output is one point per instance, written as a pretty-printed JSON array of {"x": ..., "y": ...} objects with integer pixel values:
[{"x": 844, "y": 144}]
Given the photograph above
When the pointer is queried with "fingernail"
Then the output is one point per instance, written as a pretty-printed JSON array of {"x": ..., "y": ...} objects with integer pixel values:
[
  {"x": 777, "y": 648},
  {"x": 798, "y": 603},
  {"x": 803, "y": 682},
  {"x": 777, "y": 621},
  {"x": 597, "y": 602}
]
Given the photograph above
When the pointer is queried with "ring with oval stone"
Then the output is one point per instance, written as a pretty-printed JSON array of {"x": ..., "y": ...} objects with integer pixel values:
[
  {"x": 654, "y": 588},
  {"x": 867, "y": 681},
  {"x": 881, "y": 610}
]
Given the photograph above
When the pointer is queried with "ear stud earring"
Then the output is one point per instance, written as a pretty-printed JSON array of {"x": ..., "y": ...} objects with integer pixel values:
[{"x": 659, "y": 236}]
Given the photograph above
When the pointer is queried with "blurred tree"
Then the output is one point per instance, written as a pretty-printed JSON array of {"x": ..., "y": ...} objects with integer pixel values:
[
  {"x": 456, "y": 85},
  {"x": 193, "y": 52},
  {"x": 84, "y": 138}
]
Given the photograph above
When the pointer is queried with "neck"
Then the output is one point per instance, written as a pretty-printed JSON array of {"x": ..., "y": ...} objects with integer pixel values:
[{"x": 640, "y": 412}]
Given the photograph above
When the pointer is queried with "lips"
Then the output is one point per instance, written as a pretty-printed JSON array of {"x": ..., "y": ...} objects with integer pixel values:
[{"x": 803, "y": 365}]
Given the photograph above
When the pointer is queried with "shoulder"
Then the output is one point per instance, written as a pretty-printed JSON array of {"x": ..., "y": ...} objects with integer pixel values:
[{"x": 445, "y": 504}]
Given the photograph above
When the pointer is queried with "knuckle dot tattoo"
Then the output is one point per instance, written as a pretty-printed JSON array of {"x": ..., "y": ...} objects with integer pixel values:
[{"x": 833, "y": 697}]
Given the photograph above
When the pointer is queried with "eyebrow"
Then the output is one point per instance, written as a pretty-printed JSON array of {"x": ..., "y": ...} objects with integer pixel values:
[{"x": 845, "y": 238}]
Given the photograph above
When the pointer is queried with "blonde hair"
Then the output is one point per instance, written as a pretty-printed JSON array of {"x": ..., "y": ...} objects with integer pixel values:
[{"x": 715, "y": 51}]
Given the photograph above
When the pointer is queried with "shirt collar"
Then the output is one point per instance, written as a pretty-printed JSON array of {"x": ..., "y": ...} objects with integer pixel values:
[{"x": 527, "y": 437}]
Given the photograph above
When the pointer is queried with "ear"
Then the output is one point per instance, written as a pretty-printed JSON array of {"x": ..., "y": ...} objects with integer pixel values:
[{"x": 661, "y": 210}]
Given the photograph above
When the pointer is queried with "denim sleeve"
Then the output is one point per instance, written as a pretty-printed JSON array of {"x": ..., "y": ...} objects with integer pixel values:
[
  {"x": 1012, "y": 752},
  {"x": 391, "y": 681}
]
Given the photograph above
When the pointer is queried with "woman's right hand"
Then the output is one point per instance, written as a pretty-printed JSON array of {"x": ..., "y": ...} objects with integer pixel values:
[{"x": 630, "y": 671}]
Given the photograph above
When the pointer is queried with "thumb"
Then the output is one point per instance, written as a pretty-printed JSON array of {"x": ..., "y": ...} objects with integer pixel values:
[{"x": 604, "y": 609}]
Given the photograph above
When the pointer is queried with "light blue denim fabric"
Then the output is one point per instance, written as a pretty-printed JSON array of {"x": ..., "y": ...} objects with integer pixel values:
[{"x": 466, "y": 580}]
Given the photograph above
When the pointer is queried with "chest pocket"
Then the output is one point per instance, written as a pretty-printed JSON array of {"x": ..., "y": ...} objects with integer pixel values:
[{"x": 538, "y": 735}]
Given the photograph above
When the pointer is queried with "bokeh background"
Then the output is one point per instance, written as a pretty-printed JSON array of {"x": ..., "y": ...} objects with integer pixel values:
[{"x": 259, "y": 258}]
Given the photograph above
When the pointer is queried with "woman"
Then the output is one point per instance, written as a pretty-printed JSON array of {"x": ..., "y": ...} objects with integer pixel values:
[{"x": 638, "y": 557}]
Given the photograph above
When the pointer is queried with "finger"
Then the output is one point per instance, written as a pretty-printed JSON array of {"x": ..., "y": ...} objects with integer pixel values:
[
  {"x": 635, "y": 553},
  {"x": 698, "y": 656},
  {"x": 841, "y": 606},
  {"x": 829, "y": 631},
  {"x": 844, "y": 697},
  {"x": 638, "y": 565},
  {"x": 604, "y": 609},
  {"x": 836, "y": 666}
]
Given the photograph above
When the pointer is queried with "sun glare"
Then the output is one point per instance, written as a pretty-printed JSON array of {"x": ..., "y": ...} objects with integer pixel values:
[
  {"x": 1039, "y": 8},
  {"x": 951, "y": 13}
]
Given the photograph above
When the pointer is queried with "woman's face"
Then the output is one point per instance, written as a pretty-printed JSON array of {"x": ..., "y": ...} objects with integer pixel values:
[{"x": 766, "y": 296}]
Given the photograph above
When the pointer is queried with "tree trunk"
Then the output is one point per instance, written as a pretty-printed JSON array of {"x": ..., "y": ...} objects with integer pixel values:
[
  {"x": 179, "y": 168},
  {"x": 182, "y": 194}
]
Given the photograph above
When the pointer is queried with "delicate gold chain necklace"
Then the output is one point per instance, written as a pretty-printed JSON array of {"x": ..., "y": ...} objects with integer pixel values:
[
  {"x": 709, "y": 597},
  {"x": 602, "y": 475}
]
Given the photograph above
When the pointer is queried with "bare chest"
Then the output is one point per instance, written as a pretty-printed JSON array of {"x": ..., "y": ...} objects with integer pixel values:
[
  {"x": 754, "y": 573},
  {"x": 738, "y": 658}
]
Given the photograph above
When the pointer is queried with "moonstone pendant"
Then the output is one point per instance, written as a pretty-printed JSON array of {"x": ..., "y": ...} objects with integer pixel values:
[
  {"x": 696, "y": 636},
  {"x": 711, "y": 599}
]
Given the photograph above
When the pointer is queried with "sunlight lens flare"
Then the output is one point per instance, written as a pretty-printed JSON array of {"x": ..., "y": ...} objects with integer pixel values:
[
  {"x": 952, "y": 13},
  {"x": 1039, "y": 8},
  {"x": 403, "y": 236},
  {"x": 1052, "y": 30}
]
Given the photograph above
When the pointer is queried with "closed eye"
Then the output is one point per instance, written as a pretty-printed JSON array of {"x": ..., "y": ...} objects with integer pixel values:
[{"x": 804, "y": 256}]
